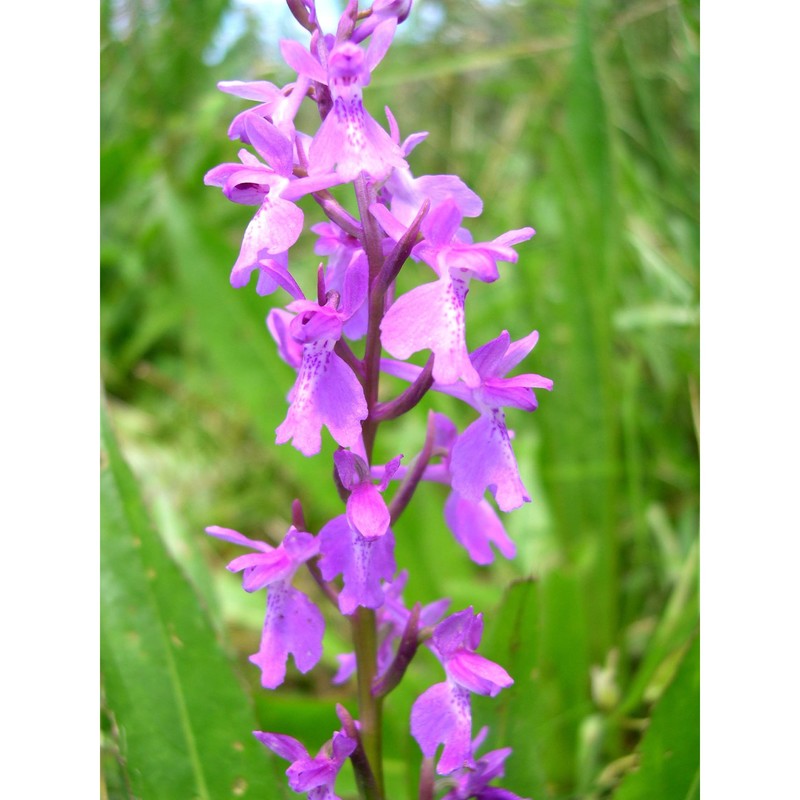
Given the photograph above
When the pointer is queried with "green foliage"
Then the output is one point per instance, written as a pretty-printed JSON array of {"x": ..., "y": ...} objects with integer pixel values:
[
  {"x": 179, "y": 721},
  {"x": 578, "y": 117}
]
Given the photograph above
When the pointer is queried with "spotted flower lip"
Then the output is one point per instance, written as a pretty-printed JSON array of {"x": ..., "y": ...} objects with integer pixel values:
[
  {"x": 363, "y": 563},
  {"x": 326, "y": 392}
]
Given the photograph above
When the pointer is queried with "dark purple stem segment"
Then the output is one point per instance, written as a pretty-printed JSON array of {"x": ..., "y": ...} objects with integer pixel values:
[
  {"x": 368, "y": 786},
  {"x": 409, "y": 398},
  {"x": 405, "y": 653},
  {"x": 407, "y": 488}
]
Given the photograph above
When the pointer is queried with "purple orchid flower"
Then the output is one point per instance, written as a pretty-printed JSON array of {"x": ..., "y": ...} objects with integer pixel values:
[
  {"x": 293, "y": 624},
  {"x": 278, "y": 222},
  {"x": 349, "y": 139},
  {"x": 326, "y": 391},
  {"x": 443, "y": 713},
  {"x": 482, "y": 457},
  {"x": 431, "y": 316},
  {"x": 391, "y": 617},
  {"x": 474, "y": 783},
  {"x": 316, "y": 776}
]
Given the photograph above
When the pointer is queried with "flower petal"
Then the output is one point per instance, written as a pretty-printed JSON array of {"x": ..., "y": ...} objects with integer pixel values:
[
  {"x": 482, "y": 458},
  {"x": 443, "y": 715},
  {"x": 478, "y": 674},
  {"x": 367, "y": 512},
  {"x": 475, "y": 526},
  {"x": 284, "y": 746},
  {"x": 293, "y": 625},
  {"x": 431, "y": 317}
]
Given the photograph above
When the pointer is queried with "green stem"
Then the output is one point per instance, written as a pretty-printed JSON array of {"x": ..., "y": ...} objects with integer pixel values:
[{"x": 370, "y": 709}]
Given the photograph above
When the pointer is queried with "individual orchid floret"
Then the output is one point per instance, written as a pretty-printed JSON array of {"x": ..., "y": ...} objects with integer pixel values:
[
  {"x": 482, "y": 456},
  {"x": 443, "y": 714},
  {"x": 367, "y": 512},
  {"x": 272, "y": 186},
  {"x": 363, "y": 563},
  {"x": 349, "y": 140},
  {"x": 316, "y": 776},
  {"x": 293, "y": 624},
  {"x": 431, "y": 316},
  {"x": 326, "y": 392},
  {"x": 474, "y": 783}
]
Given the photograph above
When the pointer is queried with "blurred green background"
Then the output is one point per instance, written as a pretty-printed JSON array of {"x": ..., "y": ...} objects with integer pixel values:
[{"x": 579, "y": 118}]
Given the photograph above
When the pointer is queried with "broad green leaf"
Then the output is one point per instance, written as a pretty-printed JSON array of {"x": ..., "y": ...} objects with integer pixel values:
[
  {"x": 184, "y": 722},
  {"x": 670, "y": 750}
]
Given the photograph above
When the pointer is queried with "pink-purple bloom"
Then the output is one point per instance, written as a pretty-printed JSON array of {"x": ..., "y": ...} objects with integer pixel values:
[
  {"x": 317, "y": 775},
  {"x": 326, "y": 391},
  {"x": 293, "y": 624},
  {"x": 272, "y": 186},
  {"x": 443, "y": 714},
  {"x": 367, "y": 512},
  {"x": 431, "y": 316},
  {"x": 349, "y": 139},
  {"x": 482, "y": 456}
]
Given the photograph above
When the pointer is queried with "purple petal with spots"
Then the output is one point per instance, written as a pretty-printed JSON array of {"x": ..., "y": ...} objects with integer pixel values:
[
  {"x": 293, "y": 625},
  {"x": 482, "y": 459},
  {"x": 362, "y": 563},
  {"x": 431, "y": 317},
  {"x": 327, "y": 393},
  {"x": 476, "y": 527},
  {"x": 350, "y": 141},
  {"x": 443, "y": 715}
]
